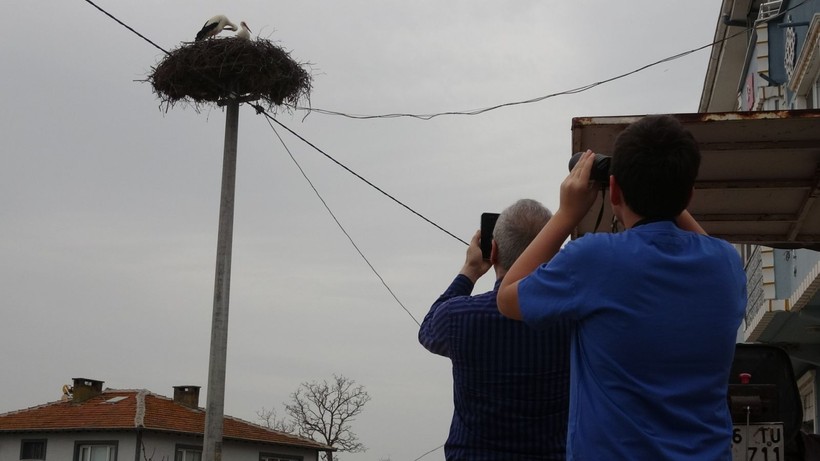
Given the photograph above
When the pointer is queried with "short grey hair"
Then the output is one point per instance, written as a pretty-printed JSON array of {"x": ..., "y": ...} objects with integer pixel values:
[{"x": 516, "y": 227}]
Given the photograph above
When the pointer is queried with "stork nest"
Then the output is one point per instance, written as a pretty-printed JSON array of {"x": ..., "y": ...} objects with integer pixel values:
[{"x": 217, "y": 69}]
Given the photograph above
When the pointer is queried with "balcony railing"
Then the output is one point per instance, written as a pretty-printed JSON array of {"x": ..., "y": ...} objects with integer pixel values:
[
  {"x": 769, "y": 9},
  {"x": 754, "y": 284}
]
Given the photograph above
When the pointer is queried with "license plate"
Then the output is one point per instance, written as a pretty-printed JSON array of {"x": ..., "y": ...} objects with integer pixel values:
[{"x": 758, "y": 442}]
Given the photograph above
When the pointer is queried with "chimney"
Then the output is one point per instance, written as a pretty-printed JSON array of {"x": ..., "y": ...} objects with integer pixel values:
[
  {"x": 187, "y": 395},
  {"x": 85, "y": 389}
]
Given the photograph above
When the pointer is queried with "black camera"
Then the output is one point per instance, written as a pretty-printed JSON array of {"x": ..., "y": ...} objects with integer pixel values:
[{"x": 600, "y": 167}]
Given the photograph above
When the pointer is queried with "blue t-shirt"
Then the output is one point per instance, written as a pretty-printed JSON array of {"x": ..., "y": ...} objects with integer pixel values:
[
  {"x": 656, "y": 312},
  {"x": 510, "y": 382}
]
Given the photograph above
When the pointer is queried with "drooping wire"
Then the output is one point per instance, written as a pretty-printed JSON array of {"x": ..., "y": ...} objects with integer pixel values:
[
  {"x": 127, "y": 27},
  {"x": 338, "y": 223},
  {"x": 428, "y": 452},
  {"x": 577, "y": 90},
  {"x": 261, "y": 110}
]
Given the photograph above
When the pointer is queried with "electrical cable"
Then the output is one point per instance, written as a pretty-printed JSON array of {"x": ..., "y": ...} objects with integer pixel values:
[
  {"x": 261, "y": 110},
  {"x": 338, "y": 223},
  {"x": 577, "y": 90},
  {"x": 127, "y": 27},
  {"x": 427, "y": 453}
]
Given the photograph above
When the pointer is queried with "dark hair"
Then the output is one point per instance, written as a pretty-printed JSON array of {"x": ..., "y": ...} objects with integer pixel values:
[{"x": 655, "y": 162}]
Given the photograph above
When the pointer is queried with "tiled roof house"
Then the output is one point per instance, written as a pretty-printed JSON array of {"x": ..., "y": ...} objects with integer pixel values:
[{"x": 123, "y": 425}]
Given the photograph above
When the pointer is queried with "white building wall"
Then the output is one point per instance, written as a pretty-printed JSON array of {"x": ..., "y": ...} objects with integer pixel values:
[
  {"x": 251, "y": 452},
  {"x": 158, "y": 447},
  {"x": 60, "y": 445},
  {"x": 162, "y": 445}
]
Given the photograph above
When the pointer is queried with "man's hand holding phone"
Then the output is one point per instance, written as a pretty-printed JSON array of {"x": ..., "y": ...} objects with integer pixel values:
[{"x": 474, "y": 264}]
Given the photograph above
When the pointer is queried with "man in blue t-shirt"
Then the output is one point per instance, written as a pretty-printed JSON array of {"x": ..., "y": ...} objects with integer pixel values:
[
  {"x": 510, "y": 382},
  {"x": 655, "y": 308}
]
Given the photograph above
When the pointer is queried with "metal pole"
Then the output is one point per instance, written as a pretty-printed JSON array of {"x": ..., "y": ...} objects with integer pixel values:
[{"x": 214, "y": 411}]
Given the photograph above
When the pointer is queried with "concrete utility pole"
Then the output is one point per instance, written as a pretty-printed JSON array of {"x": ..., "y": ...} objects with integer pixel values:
[
  {"x": 227, "y": 72},
  {"x": 215, "y": 407}
]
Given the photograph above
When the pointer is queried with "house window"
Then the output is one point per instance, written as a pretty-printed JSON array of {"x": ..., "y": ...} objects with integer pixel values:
[
  {"x": 95, "y": 451},
  {"x": 275, "y": 457},
  {"x": 33, "y": 449},
  {"x": 188, "y": 453}
]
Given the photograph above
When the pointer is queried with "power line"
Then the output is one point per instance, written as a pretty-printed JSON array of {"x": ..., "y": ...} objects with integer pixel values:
[
  {"x": 577, "y": 90},
  {"x": 338, "y": 223},
  {"x": 261, "y": 110},
  {"x": 427, "y": 453},
  {"x": 127, "y": 27}
]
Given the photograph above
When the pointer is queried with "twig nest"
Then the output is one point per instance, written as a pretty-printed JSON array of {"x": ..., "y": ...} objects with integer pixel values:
[{"x": 215, "y": 69}]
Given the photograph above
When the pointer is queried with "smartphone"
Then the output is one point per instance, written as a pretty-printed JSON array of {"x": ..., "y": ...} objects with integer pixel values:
[{"x": 487, "y": 225}]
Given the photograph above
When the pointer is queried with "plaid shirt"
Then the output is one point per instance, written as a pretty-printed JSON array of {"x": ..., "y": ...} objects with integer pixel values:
[{"x": 510, "y": 382}]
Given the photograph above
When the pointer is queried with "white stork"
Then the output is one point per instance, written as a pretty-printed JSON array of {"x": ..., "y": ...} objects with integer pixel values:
[
  {"x": 244, "y": 31},
  {"x": 214, "y": 26}
]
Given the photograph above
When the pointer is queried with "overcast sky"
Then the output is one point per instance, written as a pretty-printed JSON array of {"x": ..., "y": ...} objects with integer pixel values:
[{"x": 108, "y": 216}]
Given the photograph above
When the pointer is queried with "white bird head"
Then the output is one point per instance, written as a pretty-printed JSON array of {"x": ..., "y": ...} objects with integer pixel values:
[
  {"x": 244, "y": 31},
  {"x": 214, "y": 26}
]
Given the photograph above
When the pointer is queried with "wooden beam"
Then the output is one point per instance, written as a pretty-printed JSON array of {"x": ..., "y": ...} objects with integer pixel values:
[{"x": 806, "y": 206}]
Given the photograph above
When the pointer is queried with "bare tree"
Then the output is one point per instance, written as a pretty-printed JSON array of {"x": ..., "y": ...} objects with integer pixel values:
[
  {"x": 323, "y": 412},
  {"x": 272, "y": 421}
]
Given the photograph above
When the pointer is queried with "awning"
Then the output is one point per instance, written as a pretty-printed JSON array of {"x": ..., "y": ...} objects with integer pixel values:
[{"x": 759, "y": 180}]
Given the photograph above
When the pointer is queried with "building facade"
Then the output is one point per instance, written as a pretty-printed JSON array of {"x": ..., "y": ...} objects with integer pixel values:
[
  {"x": 92, "y": 424},
  {"x": 766, "y": 57}
]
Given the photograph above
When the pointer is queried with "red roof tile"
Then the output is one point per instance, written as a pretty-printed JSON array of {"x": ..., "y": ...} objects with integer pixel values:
[{"x": 132, "y": 409}]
